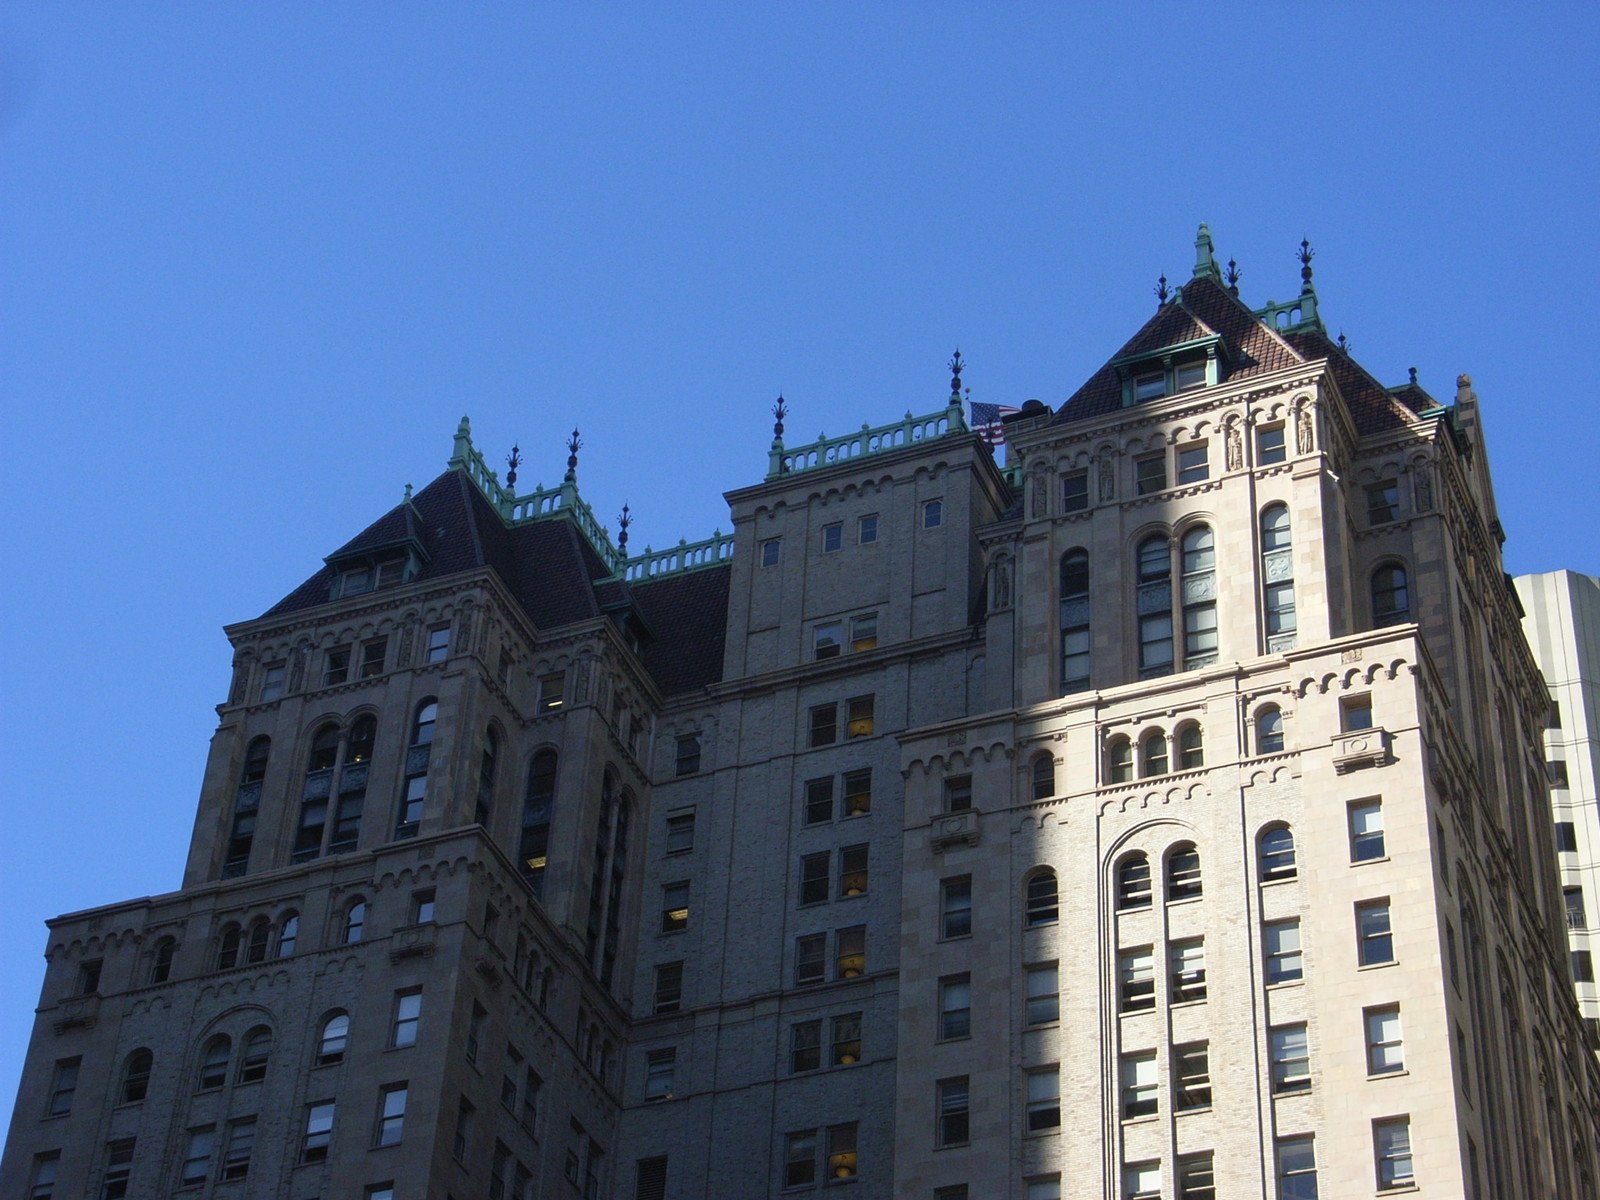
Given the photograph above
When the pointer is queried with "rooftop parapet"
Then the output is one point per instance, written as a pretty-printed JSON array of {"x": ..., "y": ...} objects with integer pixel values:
[{"x": 869, "y": 440}]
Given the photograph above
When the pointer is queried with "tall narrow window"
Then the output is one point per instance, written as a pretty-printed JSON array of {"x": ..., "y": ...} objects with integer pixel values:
[
  {"x": 1191, "y": 1067},
  {"x": 1199, "y": 598},
  {"x": 1269, "y": 730},
  {"x": 863, "y": 632},
  {"x": 1044, "y": 776},
  {"x": 288, "y": 934},
  {"x": 1391, "y": 597},
  {"x": 161, "y": 960},
  {"x": 1391, "y": 1144},
  {"x": 1270, "y": 447},
  {"x": 1385, "y": 1048},
  {"x": 858, "y": 792},
  {"x": 669, "y": 987},
  {"x": 351, "y": 792},
  {"x": 246, "y": 804},
  {"x": 1155, "y": 607},
  {"x": 845, "y": 1047},
  {"x": 1141, "y": 1086},
  {"x": 842, "y": 1151},
  {"x": 214, "y": 1064},
  {"x": 1277, "y": 578},
  {"x": 1366, "y": 831},
  {"x": 1183, "y": 873},
  {"x": 1277, "y": 853},
  {"x": 1297, "y": 1169},
  {"x": 1187, "y": 981},
  {"x": 418, "y": 756},
  {"x": 1290, "y": 1059},
  {"x": 254, "y": 1054},
  {"x": 1191, "y": 748},
  {"x": 136, "y": 1077},
  {"x": 392, "y": 1115},
  {"x": 951, "y": 1096},
  {"x": 315, "y": 793},
  {"x": 955, "y": 1008},
  {"x": 319, "y": 1132},
  {"x": 438, "y": 643},
  {"x": 1044, "y": 1099},
  {"x": 64, "y": 1086},
  {"x": 1043, "y": 906},
  {"x": 1075, "y": 671},
  {"x": 1133, "y": 882},
  {"x": 42, "y": 1183},
  {"x": 853, "y": 871},
  {"x": 850, "y": 952},
  {"x": 1383, "y": 502},
  {"x": 1119, "y": 760},
  {"x": 1374, "y": 935},
  {"x": 331, "y": 1042},
  {"x": 955, "y": 905},
  {"x": 197, "y": 1157},
  {"x": 534, "y": 846},
  {"x": 1136, "y": 977},
  {"x": 1152, "y": 754},
  {"x": 487, "y": 765},
  {"x": 119, "y": 1166},
  {"x": 674, "y": 906},
  {"x": 1281, "y": 947}
]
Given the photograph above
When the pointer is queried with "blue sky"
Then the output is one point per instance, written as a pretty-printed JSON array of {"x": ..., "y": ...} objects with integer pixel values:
[{"x": 256, "y": 261}]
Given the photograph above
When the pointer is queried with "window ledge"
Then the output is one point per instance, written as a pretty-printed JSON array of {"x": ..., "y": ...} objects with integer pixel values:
[
  {"x": 1375, "y": 1077},
  {"x": 1183, "y": 900},
  {"x": 1280, "y": 881},
  {"x": 1378, "y": 966},
  {"x": 1191, "y": 1112},
  {"x": 1194, "y": 1003},
  {"x": 1367, "y": 862},
  {"x": 1143, "y": 1119},
  {"x": 1285, "y": 984}
]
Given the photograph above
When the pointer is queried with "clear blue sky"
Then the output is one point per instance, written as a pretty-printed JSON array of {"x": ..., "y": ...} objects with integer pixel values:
[{"x": 257, "y": 260}]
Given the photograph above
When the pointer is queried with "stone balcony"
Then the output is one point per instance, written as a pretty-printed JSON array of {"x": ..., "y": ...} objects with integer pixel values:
[{"x": 1361, "y": 748}]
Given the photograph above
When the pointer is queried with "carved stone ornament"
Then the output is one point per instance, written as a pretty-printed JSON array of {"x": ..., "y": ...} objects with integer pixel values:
[
  {"x": 1424, "y": 487},
  {"x": 1303, "y": 431},
  {"x": 297, "y": 667},
  {"x": 1037, "y": 498},
  {"x": 403, "y": 653},
  {"x": 1234, "y": 447},
  {"x": 1002, "y": 585},
  {"x": 1108, "y": 479}
]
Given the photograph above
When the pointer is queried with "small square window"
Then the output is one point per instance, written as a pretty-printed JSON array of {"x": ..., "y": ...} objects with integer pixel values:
[
  {"x": 858, "y": 723},
  {"x": 932, "y": 514},
  {"x": 858, "y": 792},
  {"x": 863, "y": 632},
  {"x": 675, "y": 906},
  {"x": 680, "y": 833},
  {"x": 1270, "y": 447},
  {"x": 819, "y": 800},
  {"x": 867, "y": 529},
  {"x": 1152, "y": 385},
  {"x": 832, "y": 537},
  {"x": 1566, "y": 837},
  {"x": 272, "y": 679},
  {"x": 771, "y": 552},
  {"x": 824, "y": 724},
  {"x": 687, "y": 761},
  {"x": 825, "y": 640},
  {"x": 1383, "y": 502},
  {"x": 372, "y": 656},
  {"x": 1150, "y": 473},
  {"x": 336, "y": 666},
  {"x": 1366, "y": 831},
  {"x": 1582, "y": 966},
  {"x": 1555, "y": 773},
  {"x": 422, "y": 905},
  {"x": 1192, "y": 464},
  {"x": 958, "y": 793},
  {"x": 1075, "y": 491},
  {"x": 552, "y": 691},
  {"x": 439, "y": 643},
  {"x": 1355, "y": 714}
]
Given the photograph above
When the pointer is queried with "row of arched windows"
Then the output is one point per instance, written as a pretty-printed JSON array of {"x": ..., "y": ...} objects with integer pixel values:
[
  {"x": 1155, "y": 755},
  {"x": 240, "y": 944}
]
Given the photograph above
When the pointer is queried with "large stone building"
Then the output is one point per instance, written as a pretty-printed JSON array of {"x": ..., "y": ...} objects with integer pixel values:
[
  {"x": 1159, "y": 815},
  {"x": 1563, "y": 628}
]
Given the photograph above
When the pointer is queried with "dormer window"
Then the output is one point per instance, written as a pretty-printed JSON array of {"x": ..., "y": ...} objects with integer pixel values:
[
  {"x": 1182, "y": 367},
  {"x": 358, "y": 578},
  {"x": 1149, "y": 386},
  {"x": 1189, "y": 376}
]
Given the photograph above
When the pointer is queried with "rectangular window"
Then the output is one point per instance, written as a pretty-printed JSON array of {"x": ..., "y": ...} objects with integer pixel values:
[
  {"x": 272, "y": 681},
  {"x": 800, "y": 1159},
  {"x": 814, "y": 878},
  {"x": 336, "y": 666},
  {"x": 826, "y": 640},
  {"x": 1385, "y": 1049},
  {"x": 1566, "y": 837},
  {"x": 1141, "y": 1086},
  {"x": 1152, "y": 385},
  {"x": 932, "y": 514},
  {"x": 858, "y": 724},
  {"x": 810, "y": 958},
  {"x": 1150, "y": 473},
  {"x": 951, "y": 1106},
  {"x": 1191, "y": 1067},
  {"x": 1043, "y": 999},
  {"x": 853, "y": 871},
  {"x": 846, "y": 1044},
  {"x": 955, "y": 1007},
  {"x": 819, "y": 800},
  {"x": 1043, "y": 1189},
  {"x": 1192, "y": 464},
  {"x": 1044, "y": 1099},
  {"x": 197, "y": 1158},
  {"x": 675, "y": 906},
  {"x": 863, "y": 632},
  {"x": 955, "y": 907},
  {"x": 1188, "y": 971},
  {"x": 552, "y": 691},
  {"x": 119, "y": 1166},
  {"x": 771, "y": 552},
  {"x": 850, "y": 952},
  {"x": 438, "y": 643},
  {"x": 958, "y": 793},
  {"x": 64, "y": 1086},
  {"x": 824, "y": 724},
  {"x": 391, "y": 1115},
  {"x": 660, "y": 1067},
  {"x": 867, "y": 529},
  {"x": 1297, "y": 1169},
  {"x": 422, "y": 905},
  {"x": 1383, "y": 502},
  {"x": 1555, "y": 773},
  {"x": 372, "y": 655},
  {"x": 842, "y": 1152},
  {"x": 1281, "y": 943},
  {"x": 1074, "y": 491},
  {"x": 669, "y": 987},
  {"x": 680, "y": 833},
  {"x": 1190, "y": 376},
  {"x": 1582, "y": 966},
  {"x": 832, "y": 537},
  {"x": 1577, "y": 912},
  {"x": 1290, "y": 1057},
  {"x": 1374, "y": 936},
  {"x": 858, "y": 792},
  {"x": 1355, "y": 714},
  {"x": 650, "y": 1183},
  {"x": 1366, "y": 831},
  {"x": 688, "y": 755},
  {"x": 1155, "y": 644},
  {"x": 805, "y": 1046},
  {"x": 1391, "y": 1147},
  {"x": 407, "y": 1016},
  {"x": 319, "y": 1132},
  {"x": 1136, "y": 974},
  {"x": 46, "y": 1167},
  {"x": 1141, "y": 1181},
  {"x": 1196, "y": 1177},
  {"x": 1270, "y": 447}
]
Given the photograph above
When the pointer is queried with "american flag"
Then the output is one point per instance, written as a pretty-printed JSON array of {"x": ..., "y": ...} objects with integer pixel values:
[{"x": 986, "y": 421}]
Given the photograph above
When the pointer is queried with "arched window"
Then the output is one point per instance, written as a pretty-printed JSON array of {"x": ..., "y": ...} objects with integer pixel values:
[
  {"x": 1277, "y": 578},
  {"x": 1191, "y": 748},
  {"x": 314, "y": 794},
  {"x": 228, "y": 948},
  {"x": 1043, "y": 905},
  {"x": 1044, "y": 776},
  {"x": 1199, "y": 598},
  {"x": 352, "y": 790},
  {"x": 1155, "y": 607},
  {"x": 537, "y": 803},
  {"x": 288, "y": 933},
  {"x": 418, "y": 756},
  {"x": 1074, "y": 621},
  {"x": 331, "y": 1043},
  {"x": 1277, "y": 853},
  {"x": 254, "y": 1054},
  {"x": 1133, "y": 882},
  {"x": 546, "y": 982},
  {"x": 1269, "y": 730},
  {"x": 161, "y": 960},
  {"x": 355, "y": 920},
  {"x": 1152, "y": 754},
  {"x": 1119, "y": 760},
  {"x": 1183, "y": 872},
  {"x": 136, "y": 1076},
  {"x": 246, "y": 804},
  {"x": 214, "y": 1064},
  {"x": 1391, "y": 597},
  {"x": 260, "y": 936},
  {"x": 486, "y": 770}
]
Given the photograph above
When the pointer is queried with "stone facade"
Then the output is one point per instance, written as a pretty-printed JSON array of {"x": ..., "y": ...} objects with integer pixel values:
[{"x": 1159, "y": 815}]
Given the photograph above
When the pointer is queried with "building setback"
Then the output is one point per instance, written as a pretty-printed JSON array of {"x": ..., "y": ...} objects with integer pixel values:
[{"x": 1159, "y": 815}]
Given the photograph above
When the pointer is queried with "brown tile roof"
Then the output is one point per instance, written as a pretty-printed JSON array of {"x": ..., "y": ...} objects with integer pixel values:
[
  {"x": 1372, "y": 407},
  {"x": 688, "y": 614}
]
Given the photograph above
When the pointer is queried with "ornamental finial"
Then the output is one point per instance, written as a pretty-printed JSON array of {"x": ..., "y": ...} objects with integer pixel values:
[
  {"x": 780, "y": 410},
  {"x": 623, "y": 521},
  {"x": 1233, "y": 277},
  {"x": 574, "y": 444},
  {"x": 1344, "y": 343},
  {"x": 1162, "y": 291},
  {"x": 1305, "y": 256},
  {"x": 513, "y": 461},
  {"x": 956, "y": 365},
  {"x": 1413, "y": 377}
]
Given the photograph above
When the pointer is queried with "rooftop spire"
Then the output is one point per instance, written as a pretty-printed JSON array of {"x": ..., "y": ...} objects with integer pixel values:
[
  {"x": 1305, "y": 256},
  {"x": 956, "y": 366},
  {"x": 1205, "y": 260},
  {"x": 623, "y": 521},
  {"x": 1162, "y": 291},
  {"x": 574, "y": 444},
  {"x": 1233, "y": 277},
  {"x": 513, "y": 461}
]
